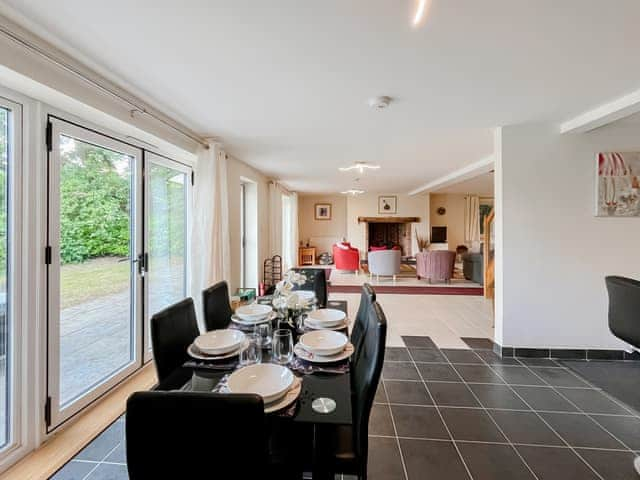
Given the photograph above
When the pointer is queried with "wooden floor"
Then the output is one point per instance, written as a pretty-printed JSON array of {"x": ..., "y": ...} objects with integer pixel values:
[{"x": 64, "y": 445}]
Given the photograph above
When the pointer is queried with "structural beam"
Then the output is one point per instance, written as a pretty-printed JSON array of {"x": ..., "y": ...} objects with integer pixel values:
[
  {"x": 603, "y": 115},
  {"x": 472, "y": 170}
]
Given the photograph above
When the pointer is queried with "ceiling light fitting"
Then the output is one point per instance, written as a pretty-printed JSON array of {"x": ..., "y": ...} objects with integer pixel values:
[
  {"x": 360, "y": 167},
  {"x": 420, "y": 12},
  {"x": 353, "y": 191},
  {"x": 379, "y": 103}
]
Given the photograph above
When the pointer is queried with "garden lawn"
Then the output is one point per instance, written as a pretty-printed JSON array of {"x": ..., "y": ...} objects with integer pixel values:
[{"x": 91, "y": 279}]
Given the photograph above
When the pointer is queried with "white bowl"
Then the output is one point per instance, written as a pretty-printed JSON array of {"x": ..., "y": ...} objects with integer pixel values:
[
  {"x": 326, "y": 317},
  {"x": 268, "y": 380},
  {"x": 324, "y": 342},
  {"x": 253, "y": 312},
  {"x": 218, "y": 342}
]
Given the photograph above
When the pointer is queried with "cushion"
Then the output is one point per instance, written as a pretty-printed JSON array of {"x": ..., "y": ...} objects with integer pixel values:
[
  {"x": 343, "y": 246},
  {"x": 376, "y": 249}
]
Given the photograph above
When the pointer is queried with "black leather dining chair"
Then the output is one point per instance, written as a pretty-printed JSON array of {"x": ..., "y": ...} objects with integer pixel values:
[
  {"x": 172, "y": 331},
  {"x": 624, "y": 309},
  {"x": 348, "y": 446},
  {"x": 195, "y": 435},
  {"x": 216, "y": 306},
  {"x": 367, "y": 297},
  {"x": 316, "y": 281}
]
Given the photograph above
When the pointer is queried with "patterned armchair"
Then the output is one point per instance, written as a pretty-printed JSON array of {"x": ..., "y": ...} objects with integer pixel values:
[{"x": 437, "y": 264}]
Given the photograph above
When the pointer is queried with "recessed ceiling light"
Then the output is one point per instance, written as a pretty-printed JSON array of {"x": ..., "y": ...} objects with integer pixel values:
[
  {"x": 360, "y": 166},
  {"x": 421, "y": 11},
  {"x": 353, "y": 191}
]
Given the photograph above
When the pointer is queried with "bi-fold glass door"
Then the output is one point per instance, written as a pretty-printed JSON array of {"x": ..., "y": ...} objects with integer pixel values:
[
  {"x": 95, "y": 270},
  {"x": 117, "y": 253},
  {"x": 167, "y": 200}
]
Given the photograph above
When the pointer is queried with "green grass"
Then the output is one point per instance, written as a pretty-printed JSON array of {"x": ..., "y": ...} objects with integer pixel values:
[{"x": 80, "y": 282}]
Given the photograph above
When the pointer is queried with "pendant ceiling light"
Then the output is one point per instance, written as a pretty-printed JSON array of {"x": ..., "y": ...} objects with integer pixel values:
[
  {"x": 353, "y": 192},
  {"x": 360, "y": 167}
]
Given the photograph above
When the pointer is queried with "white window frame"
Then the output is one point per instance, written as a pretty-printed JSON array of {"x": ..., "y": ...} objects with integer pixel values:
[
  {"x": 86, "y": 134},
  {"x": 158, "y": 159}
]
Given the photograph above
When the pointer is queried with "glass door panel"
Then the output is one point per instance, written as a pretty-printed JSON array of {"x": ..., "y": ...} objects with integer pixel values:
[
  {"x": 167, "y": 196},
  {"x": 94, "y": 286}
]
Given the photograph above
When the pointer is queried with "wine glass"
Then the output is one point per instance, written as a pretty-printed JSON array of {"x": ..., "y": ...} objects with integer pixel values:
[{"x": 253, "y": 353}]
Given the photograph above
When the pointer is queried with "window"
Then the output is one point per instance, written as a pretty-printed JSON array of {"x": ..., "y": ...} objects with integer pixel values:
[{"x": 288, "y": 256}]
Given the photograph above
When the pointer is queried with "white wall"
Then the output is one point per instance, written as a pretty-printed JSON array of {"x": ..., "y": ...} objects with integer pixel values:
[
  {"x": 555, "y": 252},
  {"x": 322, "y": 234}
]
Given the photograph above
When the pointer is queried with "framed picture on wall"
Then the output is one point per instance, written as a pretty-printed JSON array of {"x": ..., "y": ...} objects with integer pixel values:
[
  {"x": 387, "y": 204},
  {"x": 323, "y": 211},
  {"x": 618, "y": 184}
]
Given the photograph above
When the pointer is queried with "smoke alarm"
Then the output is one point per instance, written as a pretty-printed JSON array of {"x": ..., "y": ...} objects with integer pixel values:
[{"x": 379, "y": 103}]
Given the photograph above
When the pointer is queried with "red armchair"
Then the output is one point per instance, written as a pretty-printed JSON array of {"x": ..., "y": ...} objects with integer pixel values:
[{"x": 346, "y": 257}]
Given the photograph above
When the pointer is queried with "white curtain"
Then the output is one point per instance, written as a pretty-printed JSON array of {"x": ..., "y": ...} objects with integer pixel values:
[
  {"x": 275, "y": 219},
  {"x": 210, "y": 246},
  {"x": 290, "y": 235},
  {"x": 472, "y": 221}
]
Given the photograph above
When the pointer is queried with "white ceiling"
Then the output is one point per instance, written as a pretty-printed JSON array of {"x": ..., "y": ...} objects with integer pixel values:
[
  {"x": 284, "y": 83},
  {"x": 481, "y": 185}
]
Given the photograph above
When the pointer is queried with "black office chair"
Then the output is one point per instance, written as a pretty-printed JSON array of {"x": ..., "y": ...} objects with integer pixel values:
[
  {"x": 216, "y": 306},
  {"x": 367, "y": 297},
  {"x": 172, "y": 331},
  {"x": 316, "y": 281},
  {"x": 624, "y": 315},
  {"x": 195, "y": 435},
  {"x": 348, "y": 447}
]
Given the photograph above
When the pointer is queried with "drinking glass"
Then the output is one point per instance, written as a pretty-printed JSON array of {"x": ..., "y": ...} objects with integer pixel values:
[
  {"x": 253, "y": 353},
  {"x": 263, "y": 332},
  {"x": 282, "y": 346}
]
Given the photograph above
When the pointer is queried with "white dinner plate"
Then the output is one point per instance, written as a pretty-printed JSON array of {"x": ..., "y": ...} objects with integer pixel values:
[
  {"x": 314, "y": 326},
  {"x": 250, "y": 323},
  {"x": 324, "y": 342},
  {"x": 253, "y": 312},
  {"x": 312, "y": 358},
  {"x": 268, "y": 380},
  {"x": 219, "y": 342},
  {"x": 193, "y": 351},
  {"x": 291, "y": 396},
  {"x": 327, "y": 317}
]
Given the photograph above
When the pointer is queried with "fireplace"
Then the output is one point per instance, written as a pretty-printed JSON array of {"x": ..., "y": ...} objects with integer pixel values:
[
  {"x": 389, "y": 232},
  {"x": 390, "y": 235}
]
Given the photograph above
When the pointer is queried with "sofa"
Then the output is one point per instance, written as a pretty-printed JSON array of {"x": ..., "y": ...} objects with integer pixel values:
[
  {"x": 473, "y": 267},
  {"x": 435, "y": 265},
  {"x": 346, "y": 257},
  {"x": 384, "y": 262}
]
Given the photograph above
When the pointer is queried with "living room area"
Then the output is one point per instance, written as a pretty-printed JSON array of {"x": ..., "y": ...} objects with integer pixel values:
[{"x": 430, "y": 241}]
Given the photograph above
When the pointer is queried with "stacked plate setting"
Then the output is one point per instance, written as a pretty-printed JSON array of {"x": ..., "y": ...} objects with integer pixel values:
[
  {"x": 323, "y": 346},
  {"x": 326, "y": 318},
  {"x": 252, "y": 314},
  {"x": 218, "y": 344},
  {"x": 276, "y": 384}
]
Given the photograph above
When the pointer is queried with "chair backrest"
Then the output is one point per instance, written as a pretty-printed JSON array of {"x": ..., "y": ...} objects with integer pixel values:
[
  {"x": 367, "y": 297},
  {"x": 216, "y": 306},
  {"x": 195, "y": 435},
  {"x": 384, "y": 262},
  {"x": 172, "y": 331},
  {"x": 624, "y": 309},
  {"x": 316, "y": 281},
  {"x": 440, "y": 263},
  {"x": 365, "y": 376}
]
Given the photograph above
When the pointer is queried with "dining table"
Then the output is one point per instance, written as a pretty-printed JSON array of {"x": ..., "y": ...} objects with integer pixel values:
[{"x": 324, "y": 381}]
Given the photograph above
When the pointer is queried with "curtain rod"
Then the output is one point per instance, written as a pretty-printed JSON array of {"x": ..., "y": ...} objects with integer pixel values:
[{"x": 71, "y": 69}]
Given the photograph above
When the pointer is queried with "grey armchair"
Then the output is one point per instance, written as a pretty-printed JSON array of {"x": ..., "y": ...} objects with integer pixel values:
[{"x": 384, "y": 262}]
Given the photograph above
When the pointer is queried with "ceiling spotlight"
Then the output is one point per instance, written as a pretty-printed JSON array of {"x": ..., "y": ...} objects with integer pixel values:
[
  {"x": 421, "y": 10},
  {"x": 353, "y": 191},
  {"x": 379, "y": 103},
  {"x": 360, "y": 167}
]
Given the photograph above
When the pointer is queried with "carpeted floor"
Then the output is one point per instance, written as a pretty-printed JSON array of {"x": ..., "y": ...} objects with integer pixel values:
[{"x": 619, "y": 379}]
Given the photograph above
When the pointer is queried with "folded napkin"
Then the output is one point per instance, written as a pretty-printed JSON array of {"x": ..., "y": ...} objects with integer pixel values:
[
  {"x": 209, "y": 365},
  {"x": 306, "y": 368}
]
